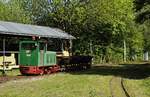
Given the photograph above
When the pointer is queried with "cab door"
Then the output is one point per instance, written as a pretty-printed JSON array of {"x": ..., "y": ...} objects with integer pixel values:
[{"x": 29, "y": 54}]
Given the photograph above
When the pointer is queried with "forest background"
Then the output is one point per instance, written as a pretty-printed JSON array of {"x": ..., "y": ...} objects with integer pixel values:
[{"x": 109, "y": 30}]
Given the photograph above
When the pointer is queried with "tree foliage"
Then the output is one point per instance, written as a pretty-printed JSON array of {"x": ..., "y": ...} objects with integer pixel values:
[
  {"x": 100, "y": 26},
  {"x": 11, "y": 10},
  {"x": 143, "y": 10},
  {"x": 143, "y": 18},
  {"x": 105, "y": 23}
]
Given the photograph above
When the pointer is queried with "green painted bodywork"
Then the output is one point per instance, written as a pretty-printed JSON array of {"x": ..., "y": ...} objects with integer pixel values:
[{"x": 34, "y": 53}]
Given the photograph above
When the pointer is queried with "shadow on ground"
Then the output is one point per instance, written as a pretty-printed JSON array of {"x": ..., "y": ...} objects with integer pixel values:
[{"x": 130, "y": 71}]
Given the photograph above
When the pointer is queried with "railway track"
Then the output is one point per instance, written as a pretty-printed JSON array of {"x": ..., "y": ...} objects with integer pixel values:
[
  {"x": 4, "y": 79},
  {"x": 117, "y": 88}
]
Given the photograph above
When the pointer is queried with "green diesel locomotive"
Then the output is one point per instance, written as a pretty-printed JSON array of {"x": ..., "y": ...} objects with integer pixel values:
[{"x": 35, "y": 59}]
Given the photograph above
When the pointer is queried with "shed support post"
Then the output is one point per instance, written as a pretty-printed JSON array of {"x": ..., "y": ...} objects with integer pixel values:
[
  {"x": 62, "y": 46},
  {"x": 70, "y": 49},
  {"x": 4, "y": 73}
]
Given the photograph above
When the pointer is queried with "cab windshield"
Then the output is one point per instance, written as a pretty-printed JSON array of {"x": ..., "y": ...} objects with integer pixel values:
[{"x": 28, "y": 46}]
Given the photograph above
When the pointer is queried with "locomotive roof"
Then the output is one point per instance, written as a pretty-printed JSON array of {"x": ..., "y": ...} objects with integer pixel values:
[{"x": 11, "y": 28}]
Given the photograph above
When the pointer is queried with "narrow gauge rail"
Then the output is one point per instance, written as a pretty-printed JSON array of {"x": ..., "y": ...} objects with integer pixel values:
[
  {"x": 123, "y": 87},
  {"x": 4, "y": 79},
  {"x": 120, "y": 83}
]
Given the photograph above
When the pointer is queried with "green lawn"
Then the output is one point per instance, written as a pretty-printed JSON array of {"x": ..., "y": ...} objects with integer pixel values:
[
  {"x": 138, "y": 88},
  {"x": 91, "y": 83},
  {"x": 58, "y": 85},
  {"x": 13, "y": 72}
]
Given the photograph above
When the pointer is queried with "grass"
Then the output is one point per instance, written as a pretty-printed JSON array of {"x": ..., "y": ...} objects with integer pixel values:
[
  {"x": 91, "y": 83},
  {"x": 58, "y": 85},
  {"x": 146, "y": 85},
  {"x": 138, "y": 88},
  {"x": 13, "y": 72}
]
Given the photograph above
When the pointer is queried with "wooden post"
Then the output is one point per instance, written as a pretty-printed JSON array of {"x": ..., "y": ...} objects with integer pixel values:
[
  {"x": 4, "y": 73},
  {"x": 70, "y": 48},
  {"x": 62, "y": 46}
]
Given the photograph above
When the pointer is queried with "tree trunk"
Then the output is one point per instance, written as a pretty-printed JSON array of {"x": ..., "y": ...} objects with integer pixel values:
[
  {"x": 91, "y": 48},
  {"x": 125, "y": 51},
  {"x": 146, "y": 56}
]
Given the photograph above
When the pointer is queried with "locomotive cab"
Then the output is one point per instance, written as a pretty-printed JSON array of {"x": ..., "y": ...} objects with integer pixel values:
[
  {"x": 35, "y": 59},
  {"x": 28, "y": 53}
]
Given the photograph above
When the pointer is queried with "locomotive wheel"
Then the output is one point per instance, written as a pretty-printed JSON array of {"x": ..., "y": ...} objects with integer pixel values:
[
  {"x": 42, "y": 72},
  {"x": 49, "y": 71}
]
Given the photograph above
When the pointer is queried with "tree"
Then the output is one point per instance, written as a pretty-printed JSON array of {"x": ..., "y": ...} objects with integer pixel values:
[
  {"x": 37, "y": 9},
  {"x": 143, "y": 18},
  {"x": 12, "y": 11},
  {"x": 143, "y": 10},
  {"x": 106, "y": 24},
  {"x": 112, "y": 20}
]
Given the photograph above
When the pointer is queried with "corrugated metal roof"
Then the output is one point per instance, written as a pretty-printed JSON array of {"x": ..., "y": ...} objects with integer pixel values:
[{"x": 32, "y": 30}]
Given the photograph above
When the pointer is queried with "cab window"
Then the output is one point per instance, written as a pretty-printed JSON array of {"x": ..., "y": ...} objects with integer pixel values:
[{"x": 28, "y": 46}]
